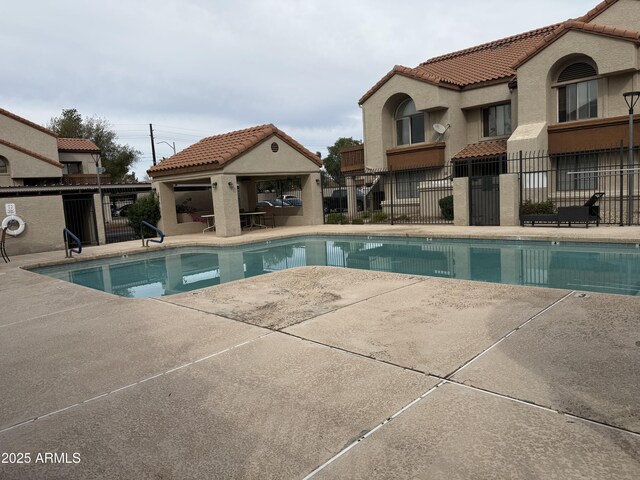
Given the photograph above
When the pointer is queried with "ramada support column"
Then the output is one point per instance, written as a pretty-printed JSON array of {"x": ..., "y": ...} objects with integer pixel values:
[
  {"x": 312, "y": 199},
  {"x": 168, "y": 218},
  {"x": 225, "y": 204},
  {"x": 352, "y": 196}
]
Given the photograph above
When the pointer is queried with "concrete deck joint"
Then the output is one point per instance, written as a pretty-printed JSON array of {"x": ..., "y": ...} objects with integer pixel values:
[
  {"x": 131, "y": 385},
  {"x": 508, "y": 334},
  {"x": 541, "y": 407},
  {"x": 373, "y": 430}
]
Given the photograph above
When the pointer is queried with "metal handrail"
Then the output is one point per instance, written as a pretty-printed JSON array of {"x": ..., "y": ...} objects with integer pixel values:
[
  {"x": 152, "y": 227},
  {"x": 68, "y": 251}
]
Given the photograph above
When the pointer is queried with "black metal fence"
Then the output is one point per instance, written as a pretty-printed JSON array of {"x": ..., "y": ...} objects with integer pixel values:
[
  {"x": 547, "y": 181},
  {"x": 114, "y": 209},
  {"x": 80, "y": 218},
  {"x": 410, "y": 196},
  {"x": 571, "y": 179}
]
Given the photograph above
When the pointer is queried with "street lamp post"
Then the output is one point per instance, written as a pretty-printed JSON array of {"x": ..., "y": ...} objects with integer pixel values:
[
  {"x": 631, "y": 98},
  {"x": 173, "y": 146}
]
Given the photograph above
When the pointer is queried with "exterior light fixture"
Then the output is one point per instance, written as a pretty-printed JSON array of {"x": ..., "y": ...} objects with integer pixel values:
[
  {"x": 631, "y": 98},
  {"x": 214, "y": 184},
  {"x": 318, "y": 181},
  {"x": 230, "y": 184}
]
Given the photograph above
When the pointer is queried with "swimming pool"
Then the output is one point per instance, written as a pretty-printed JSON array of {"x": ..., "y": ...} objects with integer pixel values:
[{"x": 609, "y": 268}]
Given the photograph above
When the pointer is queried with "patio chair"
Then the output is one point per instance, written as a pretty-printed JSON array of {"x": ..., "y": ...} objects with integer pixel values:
[
  {"x": 587, "y": 213},
  {"x": 3, "y": 250},
  {"x": 269, "y": 217}
]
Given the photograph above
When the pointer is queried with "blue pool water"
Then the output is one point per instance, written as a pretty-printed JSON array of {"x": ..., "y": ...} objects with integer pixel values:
[{"x": 609, "y": 268}]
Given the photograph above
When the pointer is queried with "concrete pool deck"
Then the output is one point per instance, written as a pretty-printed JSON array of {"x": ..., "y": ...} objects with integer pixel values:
[{"x": 320, "y": 371}]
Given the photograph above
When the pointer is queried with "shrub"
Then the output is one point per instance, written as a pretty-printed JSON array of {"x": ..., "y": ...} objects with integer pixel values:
[
  {"x": 357, "y": 221},
  {"x": 365, "y": 215},
  {"x": 379, "y": 217},
  {"x": 446, "y": 207},
  {"x": 145, "y": 208},
  {"x": 402, "y": 218},
  {"x": 336, "y": 218},
  {"x": 530, "y": 208}
]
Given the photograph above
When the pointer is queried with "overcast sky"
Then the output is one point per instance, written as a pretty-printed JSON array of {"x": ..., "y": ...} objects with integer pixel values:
[{"x": 196, "y": 68}]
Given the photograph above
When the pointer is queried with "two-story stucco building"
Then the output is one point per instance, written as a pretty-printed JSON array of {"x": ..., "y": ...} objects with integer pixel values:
[
  {"x": 557, "y": 89},
  {"x": 52, "y": 183}
]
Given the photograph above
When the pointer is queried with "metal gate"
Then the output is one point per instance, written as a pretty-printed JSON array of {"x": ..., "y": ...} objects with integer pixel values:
[
  {"x": 484, "y": 200},
  {"x": 80, "y": 217},
  {"x": 116, "y": 225}
]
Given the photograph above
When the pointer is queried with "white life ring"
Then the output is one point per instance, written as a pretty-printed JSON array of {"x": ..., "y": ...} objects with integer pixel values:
[{"x": 16, "y": 231}]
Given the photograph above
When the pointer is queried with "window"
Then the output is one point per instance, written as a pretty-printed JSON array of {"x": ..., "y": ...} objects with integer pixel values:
[
  {"x": 406, "y": 183},
  {"x": 4, "y": 166},
  {"x": 72, "y": 167},
  {"x": 496, "y": 120},
  {"x": 576, "y": 172},
  {"x": 409, "y": 124},
  {"x": 579, "y": 100}
]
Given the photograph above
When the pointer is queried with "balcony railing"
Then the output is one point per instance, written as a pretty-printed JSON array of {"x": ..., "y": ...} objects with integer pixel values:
[
  {"x": 591, "y": 134},
  {"x": 85, "y": 179},
  {"x": 352, "y": 159},
  {"x": 416, "y": 156}
]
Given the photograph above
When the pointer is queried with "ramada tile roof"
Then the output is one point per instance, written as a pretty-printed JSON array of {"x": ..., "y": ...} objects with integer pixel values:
[
  {"x": 82, "y": 145},
  {"x": 31, "y": 153},
  {"x": 217, "y": 151},
  {"x": 497, "y": 61},
  {"x": 489, "y": 148},
  {"x": 17, "y": 118}
]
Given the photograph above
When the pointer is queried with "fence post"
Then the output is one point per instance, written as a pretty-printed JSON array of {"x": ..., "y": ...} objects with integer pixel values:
[
  {"x": 621, "y": 183},
  {"x": 521, "y": 177},
  {"x": 391, "y": 186},
  {"x": 324, "y": 216}
]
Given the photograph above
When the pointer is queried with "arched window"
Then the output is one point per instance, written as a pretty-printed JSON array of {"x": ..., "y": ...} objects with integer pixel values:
[
  {"x": 577, "y": 100},
  {"x": 4, "y": 166},
  {"x": 409, "y": 124}
]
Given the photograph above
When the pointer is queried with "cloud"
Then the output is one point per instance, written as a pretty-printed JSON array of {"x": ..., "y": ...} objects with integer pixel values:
[{"x": 214, "y": 66}]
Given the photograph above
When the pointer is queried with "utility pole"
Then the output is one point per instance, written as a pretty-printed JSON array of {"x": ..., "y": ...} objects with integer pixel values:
[{"x": 153, "y": 146}]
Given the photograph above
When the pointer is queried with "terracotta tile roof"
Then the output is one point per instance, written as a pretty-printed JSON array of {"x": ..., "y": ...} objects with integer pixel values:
[
  {"x": 217, "y": 151},
  {"x": 597, "y": 10},
  {"x": 77, "y": 145},
  {"x": 579, "y": 26},
  {"x": 15, "y": 117},
  {"x": 493, "y": 61},
  {"x": 31, "y": 153},
  {"x": 490, "y": 148}
]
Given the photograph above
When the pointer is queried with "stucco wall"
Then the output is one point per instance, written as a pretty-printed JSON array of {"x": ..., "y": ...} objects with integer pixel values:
[
  {"x": 537, "y": 98},
  {"x": 44, "y": 219},
  {"x": 88, "y": 164},
  {"x": 535, "y": 77},
  {"x": 286, "y": 161},
  {"x": 28, "y": 137},
  {"x": 623, "y": 14},
  {"x": 22, "y": 165}
]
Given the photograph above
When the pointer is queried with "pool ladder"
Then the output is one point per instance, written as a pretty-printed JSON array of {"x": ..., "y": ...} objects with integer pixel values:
[
  {"x": 68, "y": 251},
  {"x": 152, "y": 227}
]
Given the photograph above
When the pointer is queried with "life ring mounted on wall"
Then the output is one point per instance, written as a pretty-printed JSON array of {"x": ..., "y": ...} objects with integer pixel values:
[{"x": 11, "y": 219}]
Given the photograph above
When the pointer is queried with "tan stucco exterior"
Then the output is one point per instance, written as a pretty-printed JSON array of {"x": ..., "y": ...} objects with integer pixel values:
[
  {"x": 44, "y": 220},
  {"x": 28, "y": 137},
  {"x": 233, "y": 187},
  {"x": 87, "y": 161},
  {"x": 23, "y": 166},
  {"x": 624, "y": 14},
  {"x": 533, "y": 101}
]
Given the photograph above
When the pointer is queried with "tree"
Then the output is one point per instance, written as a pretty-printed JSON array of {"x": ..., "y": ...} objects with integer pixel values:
[
  {"x": 116, "y": 158},
  {"x": 333, "y": 160}
]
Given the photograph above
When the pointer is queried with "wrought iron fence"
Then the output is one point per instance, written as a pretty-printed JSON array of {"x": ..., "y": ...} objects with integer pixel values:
[
  {"x": 114, "y": 209},
  {"x": 408, "y": 196},
  {"x": 549, "y": 181}
]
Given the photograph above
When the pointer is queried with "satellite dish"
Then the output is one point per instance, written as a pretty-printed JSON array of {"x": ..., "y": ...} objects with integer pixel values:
[{"x": 439, "y": 128}]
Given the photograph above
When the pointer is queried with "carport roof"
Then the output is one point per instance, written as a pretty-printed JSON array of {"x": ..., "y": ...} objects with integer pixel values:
[{"x": 217, "y": 151}]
